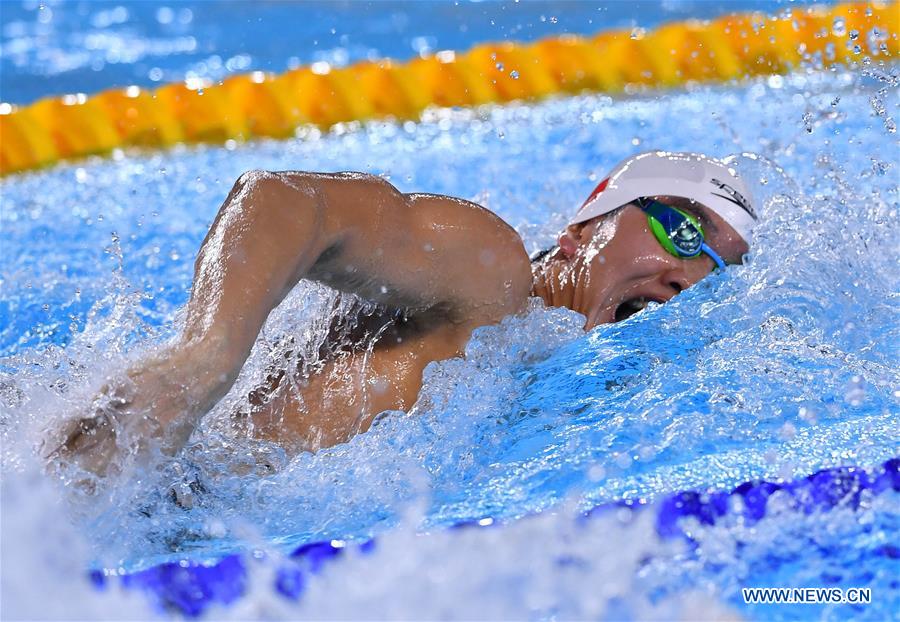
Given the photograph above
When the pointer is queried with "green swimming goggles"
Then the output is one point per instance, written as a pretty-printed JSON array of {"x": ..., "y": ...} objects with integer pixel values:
[{"x": 678, "y": 232}]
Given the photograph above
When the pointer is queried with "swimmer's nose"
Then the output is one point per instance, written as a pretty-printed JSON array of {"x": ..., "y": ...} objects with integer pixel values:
[{"x": 686, "y": 273}]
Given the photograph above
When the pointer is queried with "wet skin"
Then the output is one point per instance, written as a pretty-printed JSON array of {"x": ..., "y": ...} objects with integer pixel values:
[
  {"x": 437, "y": 267},
  {"x": 613, "y": 259}
]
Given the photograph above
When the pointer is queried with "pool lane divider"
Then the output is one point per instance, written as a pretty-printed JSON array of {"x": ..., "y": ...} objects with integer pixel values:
[
  {"x": 190, "y": 588},
  {"x": 261, "y": 104}
]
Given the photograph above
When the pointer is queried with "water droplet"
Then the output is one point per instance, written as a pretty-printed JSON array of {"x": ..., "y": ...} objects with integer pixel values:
[
  {"x": 839, "y": 27},
  {"x": 808, "y": 122},
  {"x": 854, "y": 35},
  {"x": 499, "y": 66},
  {"x": 553, "y": 19},
  {"x": 514, "y": 74}
]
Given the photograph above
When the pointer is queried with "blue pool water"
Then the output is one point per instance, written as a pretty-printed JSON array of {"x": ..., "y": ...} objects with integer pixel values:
[
  {"x": 51, "y": 46},
  {"x": 775, "y": 370}
]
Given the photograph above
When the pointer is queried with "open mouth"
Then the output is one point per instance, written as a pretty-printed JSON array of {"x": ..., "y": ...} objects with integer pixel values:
[{"x": 630, "y": 307}]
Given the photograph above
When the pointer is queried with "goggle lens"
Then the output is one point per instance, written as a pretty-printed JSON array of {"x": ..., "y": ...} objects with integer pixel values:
[{"x": 678, "y": 232}]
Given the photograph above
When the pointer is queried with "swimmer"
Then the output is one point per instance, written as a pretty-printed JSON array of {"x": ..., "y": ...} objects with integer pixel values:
[{"x": 436, "y": 268}]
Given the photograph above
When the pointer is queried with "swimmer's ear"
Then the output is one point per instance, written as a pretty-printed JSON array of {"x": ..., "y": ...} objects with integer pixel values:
[{"x": 568, "y": 240}]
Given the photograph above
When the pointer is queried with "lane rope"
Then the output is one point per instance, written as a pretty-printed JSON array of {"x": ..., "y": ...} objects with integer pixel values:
[
  {"x": 261, "y": 104},
  {"x": 190, "y": 588}
]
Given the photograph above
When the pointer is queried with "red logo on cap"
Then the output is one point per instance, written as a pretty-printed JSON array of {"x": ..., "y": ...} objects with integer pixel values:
[{"x": 600, "y": 188}]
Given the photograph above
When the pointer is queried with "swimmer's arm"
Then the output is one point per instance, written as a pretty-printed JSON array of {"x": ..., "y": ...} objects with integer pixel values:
[{"x": 354, "y": 232}]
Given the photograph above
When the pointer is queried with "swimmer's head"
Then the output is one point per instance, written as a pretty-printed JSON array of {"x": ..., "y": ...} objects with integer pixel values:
[{"x": 656, "y": 225}]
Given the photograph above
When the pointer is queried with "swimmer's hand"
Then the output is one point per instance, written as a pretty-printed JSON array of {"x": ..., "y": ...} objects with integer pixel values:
[{"x": 156, "y": 403}]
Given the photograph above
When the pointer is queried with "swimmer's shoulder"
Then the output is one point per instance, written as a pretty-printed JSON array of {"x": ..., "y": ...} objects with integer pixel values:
[
  {"x": 463, "y": 259},
  {"x": 485, "y": 247}
]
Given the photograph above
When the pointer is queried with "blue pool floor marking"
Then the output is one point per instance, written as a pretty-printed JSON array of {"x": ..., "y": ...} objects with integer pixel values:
[{"x": 189, "y": 587}]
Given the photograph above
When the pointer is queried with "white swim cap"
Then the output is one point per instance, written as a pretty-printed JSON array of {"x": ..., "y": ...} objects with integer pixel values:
[{"x": 687, "y": 175}]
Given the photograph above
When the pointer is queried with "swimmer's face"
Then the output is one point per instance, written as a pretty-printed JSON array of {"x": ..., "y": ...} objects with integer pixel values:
[{"x": 617, "y": 266}]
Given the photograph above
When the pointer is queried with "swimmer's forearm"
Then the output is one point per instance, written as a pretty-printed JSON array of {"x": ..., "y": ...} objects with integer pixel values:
[
  {"x": 265, "y": 238},
  {"x": 159, "y": 399}
]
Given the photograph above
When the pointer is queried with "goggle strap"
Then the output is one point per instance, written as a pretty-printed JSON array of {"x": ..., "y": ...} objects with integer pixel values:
[{"x": 705, "y": 248}]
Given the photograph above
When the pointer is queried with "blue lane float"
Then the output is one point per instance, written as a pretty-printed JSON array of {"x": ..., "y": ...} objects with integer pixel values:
[{"x": 189, "y": 588}]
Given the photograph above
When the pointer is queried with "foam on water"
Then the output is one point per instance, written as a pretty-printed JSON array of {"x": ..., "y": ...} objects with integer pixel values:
[{"x": 777, "y": 368}]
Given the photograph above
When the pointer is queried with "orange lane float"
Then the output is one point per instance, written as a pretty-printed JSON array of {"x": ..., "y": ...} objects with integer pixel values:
[{"x": 257, "y": 104}]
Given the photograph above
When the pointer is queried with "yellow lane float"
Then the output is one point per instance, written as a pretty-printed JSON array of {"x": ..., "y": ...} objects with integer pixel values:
[{"x": 240, "y": 107}]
